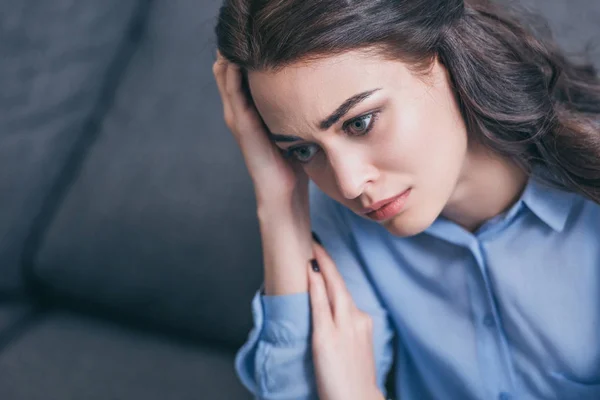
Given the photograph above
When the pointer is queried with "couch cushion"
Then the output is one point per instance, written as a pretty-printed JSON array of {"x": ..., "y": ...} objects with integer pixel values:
[
  {"x": 161, "y": 220},
  {"x": 13, "y": 317},
  {"x": 65, "y": 356},
  {"x": 54, "y": 60}
]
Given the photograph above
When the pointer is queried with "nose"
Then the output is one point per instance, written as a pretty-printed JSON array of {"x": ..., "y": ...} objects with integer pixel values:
[{"x": 352, "y": 174}]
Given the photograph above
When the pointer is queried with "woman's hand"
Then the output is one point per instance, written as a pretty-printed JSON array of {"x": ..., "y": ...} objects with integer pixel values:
[
  {"x": 274, "y": 177},
  {"x": 342, "y": 343},
  {"x": 280, "y": 186}
]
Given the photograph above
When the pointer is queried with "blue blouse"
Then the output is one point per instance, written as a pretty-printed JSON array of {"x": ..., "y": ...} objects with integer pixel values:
[{"x": 511, "y": 311}]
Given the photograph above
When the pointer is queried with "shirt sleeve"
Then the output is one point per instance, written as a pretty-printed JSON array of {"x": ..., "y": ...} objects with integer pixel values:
[{"x": 275, "y": 362}]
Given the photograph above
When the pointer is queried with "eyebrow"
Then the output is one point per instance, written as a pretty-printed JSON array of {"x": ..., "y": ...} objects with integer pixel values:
[{"x": 331, "y": 119}]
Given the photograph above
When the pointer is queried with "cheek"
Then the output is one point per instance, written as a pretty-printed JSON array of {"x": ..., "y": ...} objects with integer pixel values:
[
  {"x": 394, "y": 142},
  {"x": 433, "y": 151},
  {"x": 435, "y": 138}
]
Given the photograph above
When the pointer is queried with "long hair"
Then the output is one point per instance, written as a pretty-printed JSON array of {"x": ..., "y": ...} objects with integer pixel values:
[{"x": 518, "y": 92}]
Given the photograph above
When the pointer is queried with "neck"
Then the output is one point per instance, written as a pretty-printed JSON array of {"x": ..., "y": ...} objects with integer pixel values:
[{"x": 488, "y": 186}]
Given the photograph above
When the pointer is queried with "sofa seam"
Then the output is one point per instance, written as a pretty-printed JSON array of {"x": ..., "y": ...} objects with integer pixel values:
[{"x": 90, "y": 131}]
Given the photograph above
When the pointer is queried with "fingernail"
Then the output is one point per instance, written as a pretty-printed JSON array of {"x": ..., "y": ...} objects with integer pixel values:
[
  {"x": 315, "y": 265},
  {"x": 316, "y": 238}
]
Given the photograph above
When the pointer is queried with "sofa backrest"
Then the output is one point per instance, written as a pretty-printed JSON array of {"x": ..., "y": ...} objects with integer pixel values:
[
  {"x": 159, "y": 222},
  {"x": 55, "y": 59}
]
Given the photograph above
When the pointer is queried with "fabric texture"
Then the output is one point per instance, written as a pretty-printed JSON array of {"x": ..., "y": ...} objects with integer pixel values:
[
  {"x": 55, "y": 57},
  {"x": 510, "y": 311},
  {"x": 160, "y": 223},
  {"x": 72, "y": 357},
  {"x": 11, "y": 314},
  {"x": 574, "y": 24}
]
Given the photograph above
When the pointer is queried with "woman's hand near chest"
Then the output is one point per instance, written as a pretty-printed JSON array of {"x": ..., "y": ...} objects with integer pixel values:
[{"x": 342, "y": 339}]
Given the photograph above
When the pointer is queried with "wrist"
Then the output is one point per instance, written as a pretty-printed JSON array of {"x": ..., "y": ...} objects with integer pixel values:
[
  {"x": 282, "y": 200},
  {"x": 286, "y": 244},
  {"x": 292, "y": 207}
]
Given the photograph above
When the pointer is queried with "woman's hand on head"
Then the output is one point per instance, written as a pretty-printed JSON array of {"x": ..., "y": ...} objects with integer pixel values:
[
  {"x": 275, "y": 178},
  {"x": 342, "y": 339}
]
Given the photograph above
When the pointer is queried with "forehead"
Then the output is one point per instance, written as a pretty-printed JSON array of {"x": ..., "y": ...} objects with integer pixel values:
[{"x": 299, "y": 95}]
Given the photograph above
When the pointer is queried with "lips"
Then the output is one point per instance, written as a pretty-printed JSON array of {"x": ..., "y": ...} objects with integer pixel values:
[
  {"x": 380, "y": 204},
  {"x": 389, "y": 208}
]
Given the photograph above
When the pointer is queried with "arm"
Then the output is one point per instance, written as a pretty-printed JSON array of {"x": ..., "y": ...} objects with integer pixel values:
[{"x": 276, "y": 361}]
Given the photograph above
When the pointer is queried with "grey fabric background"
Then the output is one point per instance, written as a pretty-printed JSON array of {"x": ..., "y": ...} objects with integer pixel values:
[
  {"x": 11, "y": 314},
  {"x": 67, "y": 357},
  {"x": 160, "y": 221},
  {"x": 54, "y": 59},
  {"x": 575, "y": 24}
]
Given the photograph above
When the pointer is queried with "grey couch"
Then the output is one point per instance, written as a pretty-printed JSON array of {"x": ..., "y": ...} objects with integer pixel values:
[{"x": 129, "y": 249}]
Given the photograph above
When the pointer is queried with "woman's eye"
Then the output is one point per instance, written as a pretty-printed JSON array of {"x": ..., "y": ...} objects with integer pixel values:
[
  {"x": 361, "y": 125},
  {"x": 303, "y": 154}
]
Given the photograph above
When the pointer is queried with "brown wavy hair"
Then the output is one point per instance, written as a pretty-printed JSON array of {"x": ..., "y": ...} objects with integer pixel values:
[{"x": 519, "y": 94}]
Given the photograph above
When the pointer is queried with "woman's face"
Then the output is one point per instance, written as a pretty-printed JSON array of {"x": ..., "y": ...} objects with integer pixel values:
[{"x": 403, "y": 134}]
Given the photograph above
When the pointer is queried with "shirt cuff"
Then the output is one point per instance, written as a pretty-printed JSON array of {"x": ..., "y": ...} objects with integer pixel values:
[{"x": 287, "y": 318}]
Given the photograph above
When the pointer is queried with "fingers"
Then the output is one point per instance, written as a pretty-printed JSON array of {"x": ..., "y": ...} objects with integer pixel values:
[
  {"x": 220, "y": 68},
  {"x": 238, "y": 109},
  {"x": 233, "y": 87},
  {"x": 263, "y": 158},
  {"x": 341, "y": 301},
  {"x": 229, "y": 81},
  {"x": 322, "y": 317}
]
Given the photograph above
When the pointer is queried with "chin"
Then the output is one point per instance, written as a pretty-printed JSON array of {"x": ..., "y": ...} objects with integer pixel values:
[{"x": 409, "y": 223}]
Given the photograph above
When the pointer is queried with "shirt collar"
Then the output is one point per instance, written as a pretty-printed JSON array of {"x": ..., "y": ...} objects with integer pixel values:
[{"x": 550, "y": 204}]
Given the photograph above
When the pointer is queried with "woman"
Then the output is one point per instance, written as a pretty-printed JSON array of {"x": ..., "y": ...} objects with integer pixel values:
[{"x": 453, "y": 157}]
